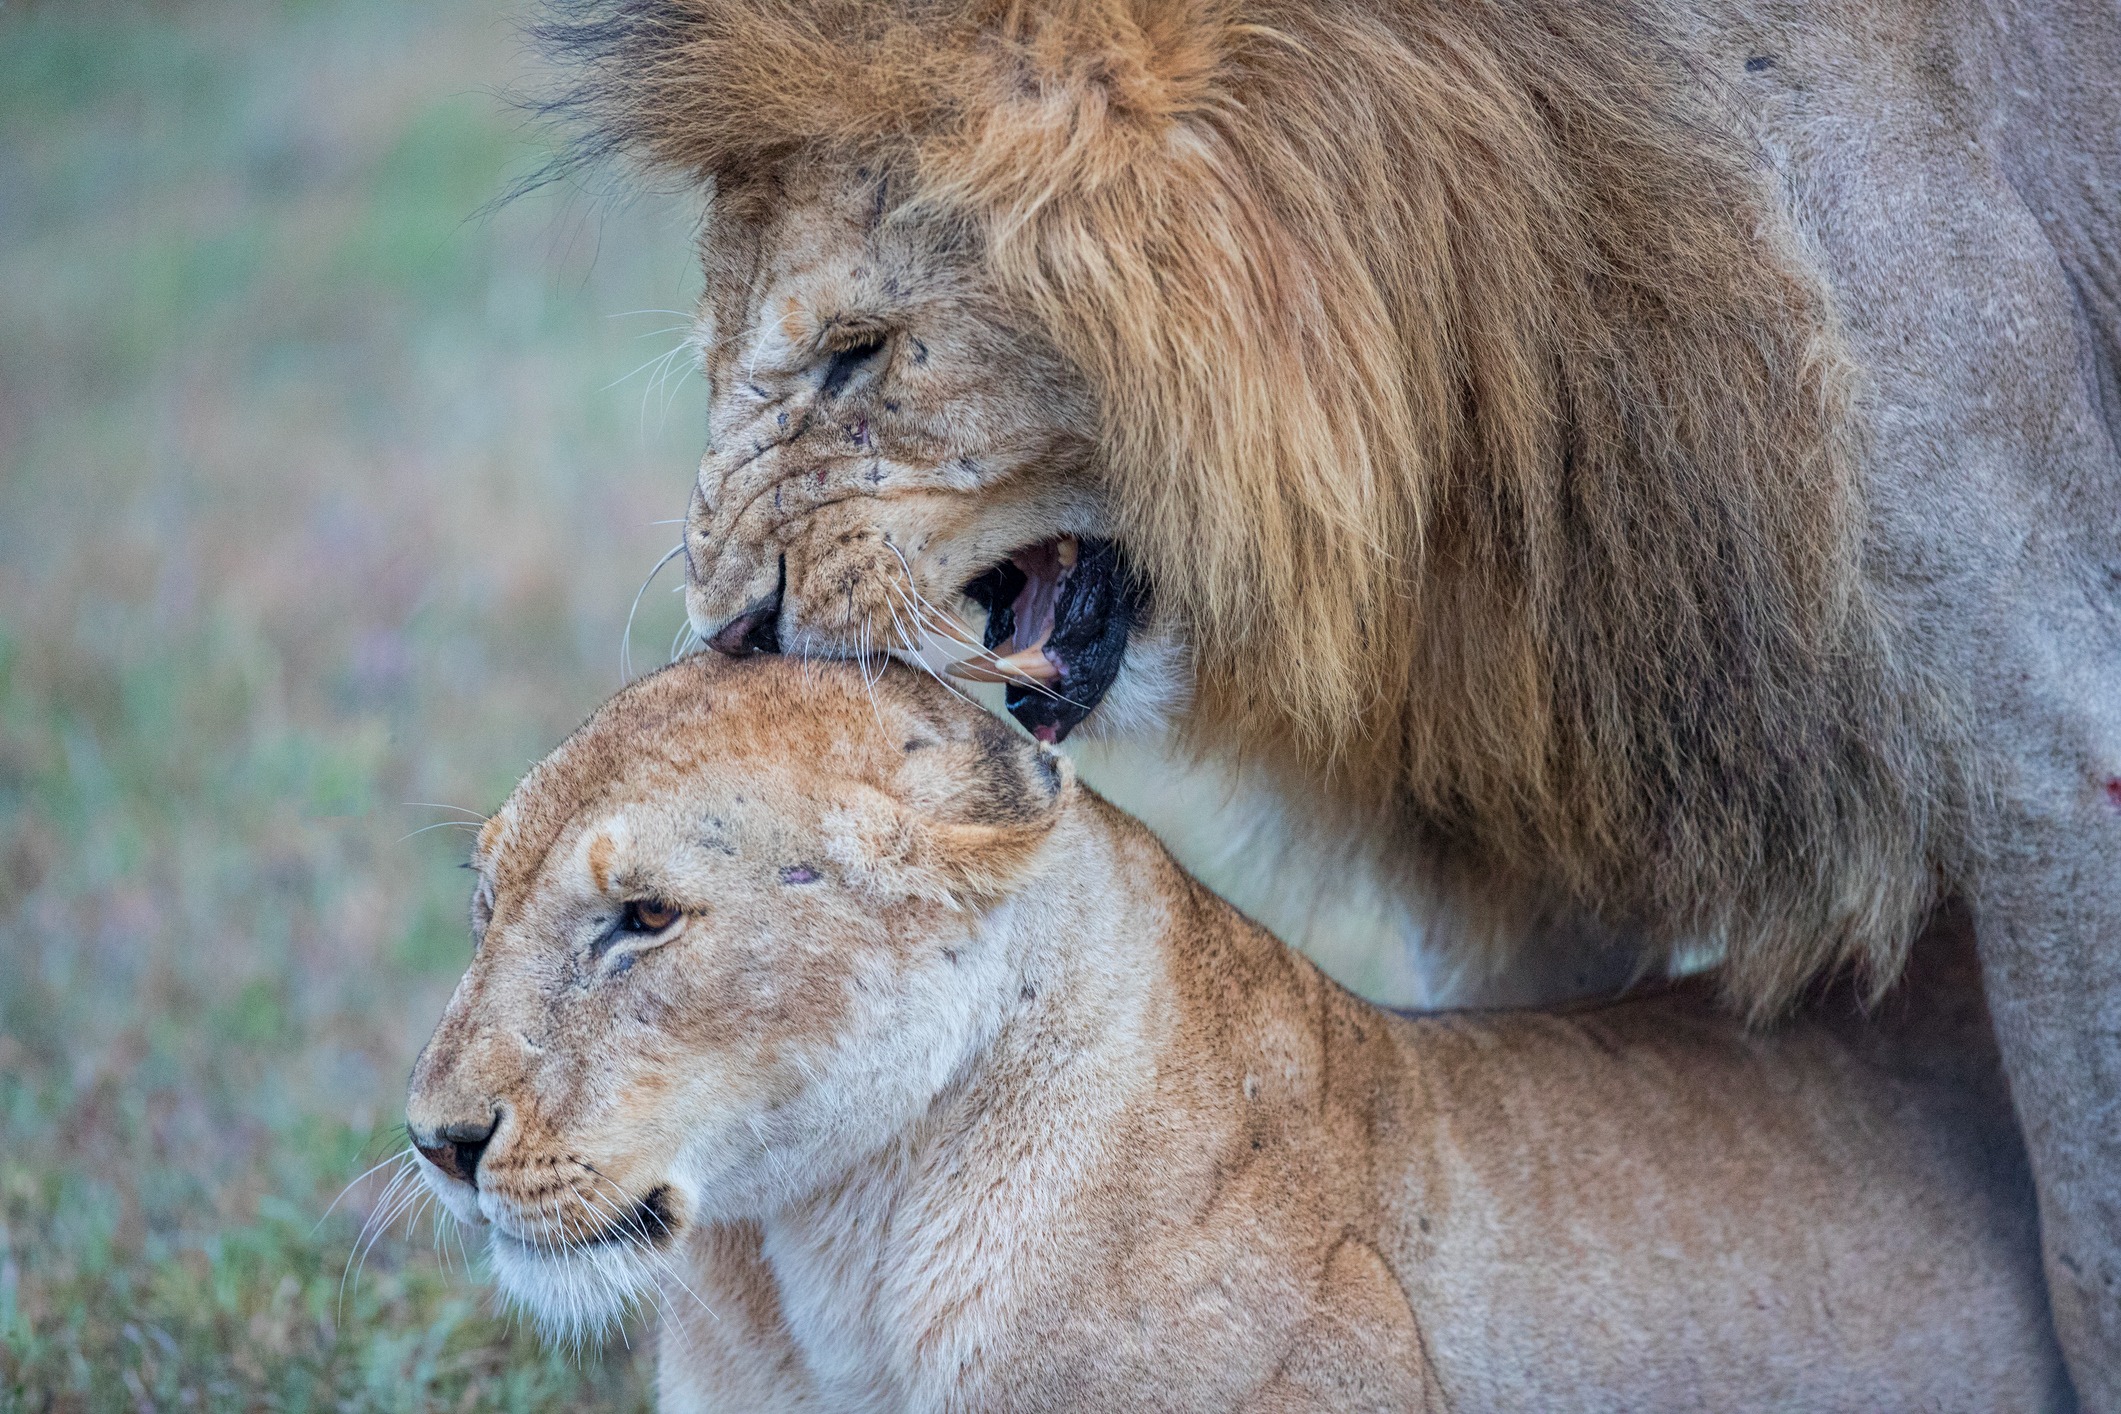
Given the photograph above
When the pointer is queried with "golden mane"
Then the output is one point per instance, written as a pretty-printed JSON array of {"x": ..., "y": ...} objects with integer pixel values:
[{"x": 1459, "y": 389}]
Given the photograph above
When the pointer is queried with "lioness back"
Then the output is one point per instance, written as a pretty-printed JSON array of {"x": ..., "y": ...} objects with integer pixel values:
[{"x": 1775, "y": 1214}]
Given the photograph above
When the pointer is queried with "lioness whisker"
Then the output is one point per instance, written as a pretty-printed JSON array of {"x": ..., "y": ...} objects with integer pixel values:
[
  {"x": 401, "y": 1157},
  {"x": 591, "y": 1261},
  {"x": 647, "y": 1245},
  {"x": 427, "y": 1207},
  {"x": 436, "y": 1214},
  {"x": 396, "y": 1200},
  {"x": 597, "y": 1231}
]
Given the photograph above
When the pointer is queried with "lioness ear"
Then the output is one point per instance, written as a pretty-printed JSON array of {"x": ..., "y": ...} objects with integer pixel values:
[{"x": 965, "y": 818}]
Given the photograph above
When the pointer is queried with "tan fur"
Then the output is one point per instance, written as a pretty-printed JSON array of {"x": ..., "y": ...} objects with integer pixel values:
[
  {"x": 1642, "y": 467},
  {"x": 1004, "y": 1112}
]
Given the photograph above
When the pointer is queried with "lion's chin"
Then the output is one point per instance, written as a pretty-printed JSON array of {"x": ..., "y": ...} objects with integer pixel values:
[{"x": 573, "y": 1294}]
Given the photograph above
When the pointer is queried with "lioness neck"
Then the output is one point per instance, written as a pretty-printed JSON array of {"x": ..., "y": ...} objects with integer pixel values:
[{"x": 895, "y": 1276}]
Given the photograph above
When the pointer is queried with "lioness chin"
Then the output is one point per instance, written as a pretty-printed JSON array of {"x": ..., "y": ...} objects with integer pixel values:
[{"x": 902, "y": 1072}]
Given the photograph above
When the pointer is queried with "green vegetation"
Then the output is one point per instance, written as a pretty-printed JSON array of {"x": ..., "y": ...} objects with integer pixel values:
[{"x": 316, "y": 498}]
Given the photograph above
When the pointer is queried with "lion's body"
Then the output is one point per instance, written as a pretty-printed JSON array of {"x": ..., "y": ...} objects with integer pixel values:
[
  {"x": 951, "y": 1091},
  {"x": 1638, "y": 463}
]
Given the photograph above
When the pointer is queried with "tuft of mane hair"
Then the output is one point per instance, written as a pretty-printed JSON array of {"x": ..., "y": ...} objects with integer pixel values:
[{"x": 1461, "y": 391}]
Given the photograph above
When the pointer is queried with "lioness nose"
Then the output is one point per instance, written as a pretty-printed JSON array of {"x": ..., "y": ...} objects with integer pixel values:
[{"x": 455, "y": 1148}]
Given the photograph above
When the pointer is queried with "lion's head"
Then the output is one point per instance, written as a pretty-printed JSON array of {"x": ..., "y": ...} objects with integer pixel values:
[
  {"x": 732, "y": 930},
  {"x": 868, "y": 470}
]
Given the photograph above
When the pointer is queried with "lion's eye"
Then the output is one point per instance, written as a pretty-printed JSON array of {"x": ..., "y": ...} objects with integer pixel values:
[
  {"x": 647, "y": 915},
  {"x": 844, "y": 362}
]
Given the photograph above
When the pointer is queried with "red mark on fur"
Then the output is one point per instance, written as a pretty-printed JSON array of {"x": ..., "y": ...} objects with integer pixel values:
[{"x": 2113, "y": 791}]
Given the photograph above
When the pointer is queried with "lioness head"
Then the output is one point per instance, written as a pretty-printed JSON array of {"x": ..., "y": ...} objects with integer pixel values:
[
  {"x": 731, "y": 935},
  {"x": 893, "y": 444}
]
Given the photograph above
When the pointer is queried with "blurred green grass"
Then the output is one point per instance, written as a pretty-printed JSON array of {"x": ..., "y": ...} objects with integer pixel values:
[{"x": 320, "y": 493}]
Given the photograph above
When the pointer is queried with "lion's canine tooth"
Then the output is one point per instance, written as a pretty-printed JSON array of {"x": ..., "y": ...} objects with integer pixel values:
[
  {"x": 1030, "y": 665},
  {"x": 1065, "y": 551}
]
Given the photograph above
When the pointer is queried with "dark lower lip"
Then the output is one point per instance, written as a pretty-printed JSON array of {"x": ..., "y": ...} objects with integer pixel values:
[
  {"x": 649, "y": 1221},
  {"x": 1094, "y": 606}
]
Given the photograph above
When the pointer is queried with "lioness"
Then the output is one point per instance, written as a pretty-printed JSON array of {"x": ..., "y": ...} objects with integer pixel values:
[
  {"x": 1646, "y": 469},
  {"x": 903, "y": 1072}
]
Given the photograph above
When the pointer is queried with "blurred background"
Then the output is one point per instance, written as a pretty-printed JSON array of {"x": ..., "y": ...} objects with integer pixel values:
[{"x": 324, "y": 493}]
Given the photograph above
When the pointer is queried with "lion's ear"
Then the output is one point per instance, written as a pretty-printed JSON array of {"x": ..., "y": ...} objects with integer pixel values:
[{"x": 964, "y": 820}]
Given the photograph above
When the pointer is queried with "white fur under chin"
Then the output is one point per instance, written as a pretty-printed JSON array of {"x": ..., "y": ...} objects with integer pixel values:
[
  {"x": 572, "y": 1295},
  {"x": 1154, "y": 687}
]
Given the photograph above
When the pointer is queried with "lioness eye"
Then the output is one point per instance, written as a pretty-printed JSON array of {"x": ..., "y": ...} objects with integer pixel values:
[{"x": 647, "y": 915}]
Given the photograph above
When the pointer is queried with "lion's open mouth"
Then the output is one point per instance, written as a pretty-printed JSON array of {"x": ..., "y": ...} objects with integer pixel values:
[{"x": 1058, "y": 617}]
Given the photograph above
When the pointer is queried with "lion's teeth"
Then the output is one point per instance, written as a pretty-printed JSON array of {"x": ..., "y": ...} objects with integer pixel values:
[
  {"x": 1030, "y": 665},
  {"x": 1066, "y": 552}
]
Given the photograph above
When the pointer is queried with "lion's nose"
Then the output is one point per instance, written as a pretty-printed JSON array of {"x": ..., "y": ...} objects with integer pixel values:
[
  {"x": 455, "y": 1148},
  {"x": 758, "y": 628}
]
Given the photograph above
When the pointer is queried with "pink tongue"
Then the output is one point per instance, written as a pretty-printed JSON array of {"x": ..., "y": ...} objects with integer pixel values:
[{"x": 1035, "y": 602}]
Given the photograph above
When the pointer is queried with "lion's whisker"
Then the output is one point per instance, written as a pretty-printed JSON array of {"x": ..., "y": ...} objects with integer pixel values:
[
  {"x": 920, "y": 660},
  {"x": 891, "y": 606},
  {"x": 439, "y": 825},
  {"x": 928, "y": 609},
  {"x": 626, "y": 641},
  {"x": 624, "y": 377},
  {"x": 477, "y": 815}
]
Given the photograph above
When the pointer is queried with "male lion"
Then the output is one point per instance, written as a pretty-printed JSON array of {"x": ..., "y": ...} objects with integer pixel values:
[
  {"x": 1649, "y": 468},
  {"x": 903, "y": 1073}
]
